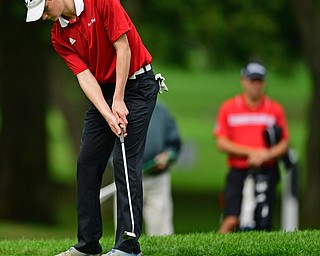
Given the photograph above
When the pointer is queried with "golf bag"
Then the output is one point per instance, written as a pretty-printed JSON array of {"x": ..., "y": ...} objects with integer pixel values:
[
  {"x": 272, "y": 136},
  {"x": 255, "y": 209}
]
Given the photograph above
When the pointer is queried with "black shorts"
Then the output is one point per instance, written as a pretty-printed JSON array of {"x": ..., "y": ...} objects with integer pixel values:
[{"x": 234, "y": 186}]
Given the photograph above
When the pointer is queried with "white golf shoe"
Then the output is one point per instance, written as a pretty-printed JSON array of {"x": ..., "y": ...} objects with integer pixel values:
[
  {"x": 74, "y": 252},
  {"x": 115, "y": 252}
]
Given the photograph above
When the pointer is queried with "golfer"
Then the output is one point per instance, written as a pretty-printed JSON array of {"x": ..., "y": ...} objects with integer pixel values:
[
  {"x": 239, "y": 131},
  {"x": 102, "y": 47}
]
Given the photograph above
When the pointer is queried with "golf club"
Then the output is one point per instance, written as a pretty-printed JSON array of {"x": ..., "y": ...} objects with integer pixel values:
[{"x": 127, "y": 234}]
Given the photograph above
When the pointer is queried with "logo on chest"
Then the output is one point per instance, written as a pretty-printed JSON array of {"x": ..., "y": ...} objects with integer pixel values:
[
  {"x": 72, "y": 41},
  {"x": 93, "y": 20}
]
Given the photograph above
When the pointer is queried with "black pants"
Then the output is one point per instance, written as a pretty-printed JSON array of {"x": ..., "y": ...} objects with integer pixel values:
[
  {"x": 98, "y": 142},
  {"x": 234, "y": 188}
]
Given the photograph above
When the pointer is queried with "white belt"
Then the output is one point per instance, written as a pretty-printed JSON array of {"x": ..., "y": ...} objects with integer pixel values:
[{"x": 140, "y": 71}]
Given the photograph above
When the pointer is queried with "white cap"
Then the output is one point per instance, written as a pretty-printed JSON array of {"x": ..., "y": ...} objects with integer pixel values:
[{"x": 35, "y": 9}]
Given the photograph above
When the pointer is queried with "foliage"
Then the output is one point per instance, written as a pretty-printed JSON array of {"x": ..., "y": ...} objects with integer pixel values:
[
  {"x": 246, "y": 243},
  {"x": 202, "y": 33}
]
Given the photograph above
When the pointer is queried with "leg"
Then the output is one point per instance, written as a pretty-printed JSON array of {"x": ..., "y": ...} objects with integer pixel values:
[
  {"x": 96, "y": 147},
  {"x": 233, "y": 200},
  {"x": 140, "y": 98},
  {"x": 229, "y": 224},
  {"x": 158, "y": 205}
]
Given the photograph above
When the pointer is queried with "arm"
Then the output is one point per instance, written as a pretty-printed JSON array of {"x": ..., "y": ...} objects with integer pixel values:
[
  {"x": 278, "y": 148},
  {"x": 172, "y": 143},
  {"x": 92, "y": 89},
  {"x": 227, "y": 146},
  {"x": 119, "y": 108},
  {"x": 163, "y": 141},
  {"x": 256, "y": 157}
]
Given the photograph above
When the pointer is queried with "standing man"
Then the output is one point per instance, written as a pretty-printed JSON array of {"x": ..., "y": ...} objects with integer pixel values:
[
  {"x": 239, "y": 131},
  {"x": 162, "y": 149},
  {"x": 102, "y": 47}
]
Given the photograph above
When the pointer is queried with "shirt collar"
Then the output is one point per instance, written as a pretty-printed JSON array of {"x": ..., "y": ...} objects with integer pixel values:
[
  {"x": 264, "y": 102},
  {"x": 79, "y": 8}
]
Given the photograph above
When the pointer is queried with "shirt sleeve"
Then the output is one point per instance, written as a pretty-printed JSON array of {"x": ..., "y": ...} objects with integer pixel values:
[
  {"x": 221, "y": 125},
  {"x": 115, "y": 20},
  {"x": 71, "y": 58}
]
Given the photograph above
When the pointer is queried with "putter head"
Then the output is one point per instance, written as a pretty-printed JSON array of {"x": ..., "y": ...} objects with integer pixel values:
[{"x": 128, "y": 235}]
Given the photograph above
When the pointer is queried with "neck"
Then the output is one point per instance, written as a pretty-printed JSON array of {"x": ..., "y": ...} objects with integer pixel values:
[
  {"x": 253, "y": 102},
  {"x": 69, "y": 12}
]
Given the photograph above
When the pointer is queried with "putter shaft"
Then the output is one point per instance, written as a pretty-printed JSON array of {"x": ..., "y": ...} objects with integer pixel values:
[{"x": 127, "y": 235}]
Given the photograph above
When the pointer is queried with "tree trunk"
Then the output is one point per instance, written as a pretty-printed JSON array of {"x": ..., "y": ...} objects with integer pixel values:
[
  {"x": 24, "y": 180},
  {"x": 307, "y": 16}
]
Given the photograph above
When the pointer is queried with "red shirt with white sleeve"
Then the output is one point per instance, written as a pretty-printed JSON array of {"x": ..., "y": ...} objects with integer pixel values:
[{"x": 87, "y": 42}]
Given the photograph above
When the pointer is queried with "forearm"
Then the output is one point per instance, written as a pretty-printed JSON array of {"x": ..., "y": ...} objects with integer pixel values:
[
  {"x": 92, "y": 90},
  {"x": 279, "y": 149},
  {"x": 122, "y": 66},
  {"x": 119, "y": 108},
  {"x": 261, "y": 156},
  {"x": 227, "y": 146}
]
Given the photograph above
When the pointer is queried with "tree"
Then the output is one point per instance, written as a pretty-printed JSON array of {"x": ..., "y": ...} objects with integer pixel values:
[
  {"x": 307, "y": 14},
  {"x": 212, "y": 33},
  {"x": 230, "y": 32},
  {"x": 24, "y": 180}
]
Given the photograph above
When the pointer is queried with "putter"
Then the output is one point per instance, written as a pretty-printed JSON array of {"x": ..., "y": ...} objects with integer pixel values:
[{"x": 127, "y": 235}]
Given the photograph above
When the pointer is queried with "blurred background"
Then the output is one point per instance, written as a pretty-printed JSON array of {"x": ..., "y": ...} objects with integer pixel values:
[{"x": 200, "y": 47}]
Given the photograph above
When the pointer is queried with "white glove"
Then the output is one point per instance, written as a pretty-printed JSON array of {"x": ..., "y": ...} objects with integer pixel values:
[{"x": 162, "y": 85}]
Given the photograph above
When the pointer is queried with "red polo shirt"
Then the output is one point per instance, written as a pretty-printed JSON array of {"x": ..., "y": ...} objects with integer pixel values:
[
  {"x": 246, "y": 126},
  {"x": 87, "y": 43}
]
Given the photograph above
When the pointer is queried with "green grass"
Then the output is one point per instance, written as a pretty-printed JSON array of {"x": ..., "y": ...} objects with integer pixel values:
[{"x": 299, "y": 243}]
